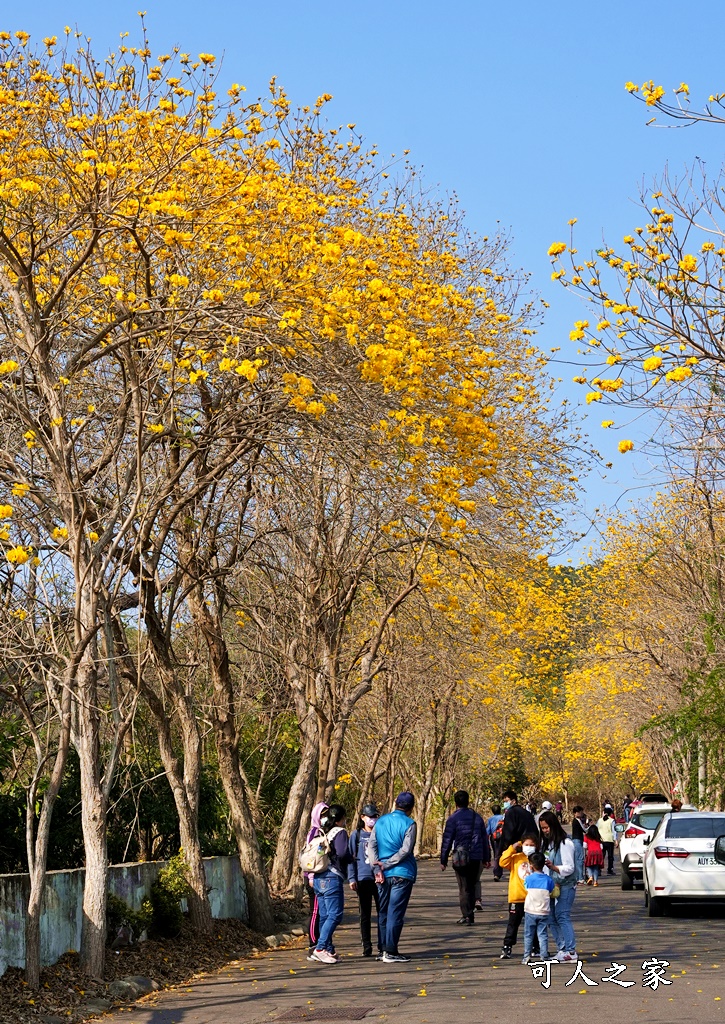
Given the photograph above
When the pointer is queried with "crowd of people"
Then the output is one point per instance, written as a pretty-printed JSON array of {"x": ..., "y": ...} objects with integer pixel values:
[{"x": 377, "y": 862}]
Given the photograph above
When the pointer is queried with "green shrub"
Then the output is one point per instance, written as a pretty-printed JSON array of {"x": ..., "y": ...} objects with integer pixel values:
[
  {"x": 119, "y": 913},
  {"x": 166, "y": 893}
]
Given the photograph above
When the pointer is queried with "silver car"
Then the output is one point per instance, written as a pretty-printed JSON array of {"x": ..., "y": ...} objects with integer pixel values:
[{"x": 641, "y": 826}]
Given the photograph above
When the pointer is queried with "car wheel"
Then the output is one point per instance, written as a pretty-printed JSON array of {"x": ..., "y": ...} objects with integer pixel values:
[
  {"x": 657, "y": 906},
  {"x": 627, "y": 883}
]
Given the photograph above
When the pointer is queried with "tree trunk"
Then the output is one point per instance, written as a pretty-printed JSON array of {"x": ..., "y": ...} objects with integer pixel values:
[
  {"x": 366, "y": 790},
  {"x": 702, "y": 795},
  {"x": 250, "y": 855},
  {"x": 284, "y": 868},
  {"x": 93, "y": 820},
  {"x": 230, "y": 769},
  {"x": 185, "y": 790},
  {"x": 333, "y": 761},
  {"x": 184, "y": 780},
  {"x": 422, "y": 806},
  {"x": 324, "y": 791},
  {"x": 37, "y": 843}
]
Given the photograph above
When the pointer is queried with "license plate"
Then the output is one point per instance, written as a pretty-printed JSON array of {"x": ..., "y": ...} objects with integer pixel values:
[{"x": 706, "y": 861}]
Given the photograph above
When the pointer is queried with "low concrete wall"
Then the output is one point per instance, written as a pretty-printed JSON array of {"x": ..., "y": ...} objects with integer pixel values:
[{"x": 62, "y": 917}]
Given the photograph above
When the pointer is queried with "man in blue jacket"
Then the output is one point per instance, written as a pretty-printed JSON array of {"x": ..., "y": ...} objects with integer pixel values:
[
  {"x": 390, "y": 851},
  {"x": 465, "y": 836}
]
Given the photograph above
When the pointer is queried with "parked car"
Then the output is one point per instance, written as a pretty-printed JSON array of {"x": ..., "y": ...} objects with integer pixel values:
[
  {"x": 643, "y": 822},
  {"x": 680, "y": 862}
]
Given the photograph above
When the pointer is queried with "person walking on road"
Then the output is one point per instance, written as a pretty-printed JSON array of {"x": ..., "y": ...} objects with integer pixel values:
[
  {"x": 390, "y": 851},
  {"x": 313, "y": 926},
  {"x": 465, "y": 840},
  {"x": 515, "y": 859},
  {"x": 577, "y": 837},
  {"x": 495, "y": 844},
  {"x": 517, "y": 821},
  {"x": 560, "y": 861},
  {"x": 546, "y": 805},
  {"x": 608, "y": 836},
  {"x": 593, "y": 855},
  {"x": 329, "y": 885},
  {"x": 361, "y": 878}
]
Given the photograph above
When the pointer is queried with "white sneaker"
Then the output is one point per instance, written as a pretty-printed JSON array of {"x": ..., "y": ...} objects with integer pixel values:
[
  {"x": 525, "y": 958},
  {"x": 395, "y": 958},
  {"x": 324, "y": 957},
  {"x": 563, "y": 957}
]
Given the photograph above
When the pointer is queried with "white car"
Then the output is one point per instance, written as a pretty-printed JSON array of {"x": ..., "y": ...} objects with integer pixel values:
[
  {"x": 680, "y": 860},
  {"x": 641, "y": 825}
]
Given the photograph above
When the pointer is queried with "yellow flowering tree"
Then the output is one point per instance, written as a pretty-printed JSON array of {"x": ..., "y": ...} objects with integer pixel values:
[
  {"x": 655, "y": 336},
  {"x": 186, "y": 282}
]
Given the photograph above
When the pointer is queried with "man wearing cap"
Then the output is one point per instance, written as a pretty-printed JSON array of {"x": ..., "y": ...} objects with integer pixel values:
[
  {"x": 546, "y": 805},
  {"x": 390, "y": 851},
  {"x": 361, "y": 878}
]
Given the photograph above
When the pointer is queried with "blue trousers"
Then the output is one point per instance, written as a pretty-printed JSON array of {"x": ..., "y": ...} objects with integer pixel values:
[
  {"x": 330, "y": 893},
  {"x": 393, "y": 894},
  {"x": 579, "y": 859},
  {"x": 535, "y": 924},
  {"x": 560, "y": 920}
]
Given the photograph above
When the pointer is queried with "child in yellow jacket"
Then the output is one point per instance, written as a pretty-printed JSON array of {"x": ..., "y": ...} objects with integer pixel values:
[{"x": 515, "y": 860}]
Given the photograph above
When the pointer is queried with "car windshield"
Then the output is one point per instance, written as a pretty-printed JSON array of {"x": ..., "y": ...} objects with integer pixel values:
[
  {"x": 648, "y": 819},
  {"x": 695, "y": 828}
]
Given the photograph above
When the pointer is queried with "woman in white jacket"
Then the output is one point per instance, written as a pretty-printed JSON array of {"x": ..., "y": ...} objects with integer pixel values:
[{"x": 560, "y": 855}]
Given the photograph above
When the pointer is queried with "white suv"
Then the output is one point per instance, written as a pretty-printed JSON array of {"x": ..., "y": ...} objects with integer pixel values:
[{"x": 631, "y": 842}]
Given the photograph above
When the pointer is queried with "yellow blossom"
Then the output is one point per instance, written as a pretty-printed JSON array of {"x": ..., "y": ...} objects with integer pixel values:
[
  {"x": 607, "y": 423},
  {"x": 6, "y": 511},
  {"x": 556, "y": 249},
  {"x": 247, "y": 369},
  {"x": 8, "y": 366},
  {"x": 679, "y": 374},
  {"x": 652, "y": 93},
  {"x": 17, "y": 555},
  {"x": 652, "y": 364},
  {"x": 19, "y": 490},
  {"x": 59, "y": 533},
  {"x": 625, "y": 446}
]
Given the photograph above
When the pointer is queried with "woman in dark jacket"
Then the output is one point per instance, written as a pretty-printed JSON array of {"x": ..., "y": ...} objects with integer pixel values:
[
  {"x": 329, "y": 885},
  {"x": 361, "y": 879}
]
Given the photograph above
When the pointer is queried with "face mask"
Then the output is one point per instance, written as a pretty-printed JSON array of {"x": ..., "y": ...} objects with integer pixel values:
[
  {"x": 506, "y": 804},
  {"x": 369, "y": 822},
  {"x": 528, "y": 850}
]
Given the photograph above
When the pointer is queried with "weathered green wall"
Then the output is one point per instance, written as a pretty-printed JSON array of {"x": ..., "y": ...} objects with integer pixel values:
[{"x": 60, "y": 924}]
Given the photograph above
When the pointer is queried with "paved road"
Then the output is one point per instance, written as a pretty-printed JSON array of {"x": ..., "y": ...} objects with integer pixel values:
[{"x": 457, "y": 978}]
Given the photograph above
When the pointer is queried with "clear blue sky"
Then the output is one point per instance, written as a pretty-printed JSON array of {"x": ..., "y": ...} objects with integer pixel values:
[{"x": 518, "y": 108}]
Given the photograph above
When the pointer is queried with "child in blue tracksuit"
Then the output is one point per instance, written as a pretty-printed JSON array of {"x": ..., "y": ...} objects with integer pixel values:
[{"x": 539, "y": 887}]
